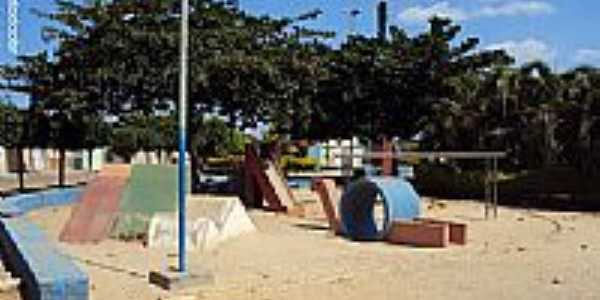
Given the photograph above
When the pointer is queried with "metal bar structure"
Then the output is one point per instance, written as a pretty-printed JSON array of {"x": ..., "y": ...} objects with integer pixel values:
[
  {"x": 432, "y": 155},
  {"x": 183, "y": 95},
  {"x": 491, "y": 168},
  {"x": 495, "y": 186},
  {"x": 487, "y": 188}
]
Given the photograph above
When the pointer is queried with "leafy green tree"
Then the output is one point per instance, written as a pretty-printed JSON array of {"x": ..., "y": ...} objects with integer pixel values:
[
  {"x": 578, "y": 128},
  {"x": 124, "y": 142}
]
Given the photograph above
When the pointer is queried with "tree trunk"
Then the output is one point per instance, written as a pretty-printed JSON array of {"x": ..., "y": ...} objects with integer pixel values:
[
  {"x": 195, "y": 168},
  {"x": 21, "y": 169},
  {"x": 91, "y": 159},
  {"x": 61, "y": 166},
  {"x": 585, "y": 139}
]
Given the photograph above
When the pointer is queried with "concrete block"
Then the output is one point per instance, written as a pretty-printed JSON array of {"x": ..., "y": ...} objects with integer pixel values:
[
  {"x": 419, "y": 234},
  {"x": 211, "y": 221},
  {"x": 171, "y": 280},
  {"x": 458, "y": 231}
]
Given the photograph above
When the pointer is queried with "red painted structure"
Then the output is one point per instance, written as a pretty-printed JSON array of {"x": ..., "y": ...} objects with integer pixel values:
[
  {"x": 256, "y": 177},
  {"x": 96, "y": 213},
  {"x": 328, "y": 195}
]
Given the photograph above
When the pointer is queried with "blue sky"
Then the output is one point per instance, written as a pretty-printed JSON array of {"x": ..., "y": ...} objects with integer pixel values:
[
  {"x": 561, "y": 32},
  {"x": 564, "y": 33}
]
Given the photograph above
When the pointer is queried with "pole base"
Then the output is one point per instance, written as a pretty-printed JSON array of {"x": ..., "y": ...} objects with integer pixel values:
[{"x": 174, "y": 281}]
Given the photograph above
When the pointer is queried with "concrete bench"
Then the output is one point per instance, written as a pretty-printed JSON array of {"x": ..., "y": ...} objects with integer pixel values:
[{"x": 46, "y": 273}]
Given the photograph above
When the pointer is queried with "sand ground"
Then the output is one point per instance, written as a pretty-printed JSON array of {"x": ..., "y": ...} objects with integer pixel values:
[
  {"x": 524, "y": 254},
  {"x": 42, "y": 179}
]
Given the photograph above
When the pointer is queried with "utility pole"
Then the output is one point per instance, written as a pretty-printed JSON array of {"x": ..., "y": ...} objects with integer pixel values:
[
  {"x": 382, "y": 19},
  {"x": 183, "y": 95}
]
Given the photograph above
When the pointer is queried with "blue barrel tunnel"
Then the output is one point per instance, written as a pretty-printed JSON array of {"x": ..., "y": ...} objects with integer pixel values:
[{"x": 357, "y": 206}]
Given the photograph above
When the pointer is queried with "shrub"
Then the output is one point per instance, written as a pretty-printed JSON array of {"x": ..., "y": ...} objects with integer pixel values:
[
  {"x": 446, "y": 181},
  {"x": 298, "y": 163},
  {"x": 226, "y": 162}
]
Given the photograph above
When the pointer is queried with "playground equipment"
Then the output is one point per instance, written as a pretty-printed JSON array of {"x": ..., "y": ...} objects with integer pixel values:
[
  {"x": 401, "y": 223},
  {"x": 272, "y": 187},
  {"x": 400, "y": 202},
  {"x": 95, "y": 215},
  {"x": 329, "y": 195},
  {"x": 44, "y": 271},
  {"x": 491, "y": 167},
  {"x": 150, "y": 189},
  {"x": 211, "y": 221}
]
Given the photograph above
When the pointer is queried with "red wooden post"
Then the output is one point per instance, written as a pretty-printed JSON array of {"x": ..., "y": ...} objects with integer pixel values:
[{"x": 388, "y": 160}]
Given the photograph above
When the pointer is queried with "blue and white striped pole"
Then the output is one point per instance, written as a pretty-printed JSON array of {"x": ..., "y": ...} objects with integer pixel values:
[{"x": 183, "y": 89}]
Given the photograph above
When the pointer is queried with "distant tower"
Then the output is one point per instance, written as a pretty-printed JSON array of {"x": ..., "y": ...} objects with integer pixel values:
[
  {"x": 13, "y": 26},
  {"x": 382, "y": 20}
]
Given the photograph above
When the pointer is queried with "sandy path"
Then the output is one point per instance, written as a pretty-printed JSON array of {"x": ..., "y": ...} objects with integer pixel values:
[{"x": 522, "y": 255}]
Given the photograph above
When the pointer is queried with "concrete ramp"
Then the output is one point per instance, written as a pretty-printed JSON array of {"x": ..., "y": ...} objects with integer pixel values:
[
  {"x": 94, "y": 216},
  {"x": 201, "y": 233},
  {"x": 280, "y": 185},
  {"x": 210, "y": 221},
  {"x": 257, "y": 177},
  {"x": 329, "y": 196}
]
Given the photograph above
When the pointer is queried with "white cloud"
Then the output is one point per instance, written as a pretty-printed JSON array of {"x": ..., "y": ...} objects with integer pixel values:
[
  {"x": 587, "y": 56},
  {"x": 527, "y": 50},
  {"x": 419, "y": 14},
  {"x": 525, "y": 8},
  {"x": 423, "y": 13}
]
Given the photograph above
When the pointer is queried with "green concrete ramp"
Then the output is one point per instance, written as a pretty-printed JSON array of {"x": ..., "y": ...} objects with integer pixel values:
[{"x": 151, "y": 189}]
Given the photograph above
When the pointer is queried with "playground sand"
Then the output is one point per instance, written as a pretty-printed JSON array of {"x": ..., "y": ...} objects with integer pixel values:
[
  {"x": 524, "y": 254},
  {"x": 43, "y": 179}
]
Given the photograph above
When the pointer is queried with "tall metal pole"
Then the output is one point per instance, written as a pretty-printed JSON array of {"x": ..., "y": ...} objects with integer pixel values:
[
  {"x": 382, "y": 20},
  {"x": 183, "y": 94}
]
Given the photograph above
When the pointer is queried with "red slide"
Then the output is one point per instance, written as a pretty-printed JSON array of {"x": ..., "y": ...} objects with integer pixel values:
[
  {"x": 95, "y": 214},
  {"x": 254, "y": 167}
]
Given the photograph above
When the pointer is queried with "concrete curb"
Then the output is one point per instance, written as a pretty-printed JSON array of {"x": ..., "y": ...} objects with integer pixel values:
[
  {"x": 45, "y": 272},
  {"x": 19, "y": 205}
]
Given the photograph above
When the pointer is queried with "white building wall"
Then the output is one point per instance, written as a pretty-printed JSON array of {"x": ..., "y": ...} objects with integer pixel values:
[
  {"x": 3, "y": 161},
  {"x": 335, "y": 148},
  {"x": 98, "y": 159},
  {"x": 38, "y": 159}
]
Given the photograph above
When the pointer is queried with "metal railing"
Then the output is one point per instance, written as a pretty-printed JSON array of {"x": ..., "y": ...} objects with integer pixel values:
[{"x": 491, "y": 168}]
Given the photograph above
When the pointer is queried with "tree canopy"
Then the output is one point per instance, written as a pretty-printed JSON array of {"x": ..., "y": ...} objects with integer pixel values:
[{"x": 114, "y": 79}]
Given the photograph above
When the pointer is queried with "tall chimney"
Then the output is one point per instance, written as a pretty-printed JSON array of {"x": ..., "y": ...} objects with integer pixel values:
[{"x": 382, "y": 20}]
